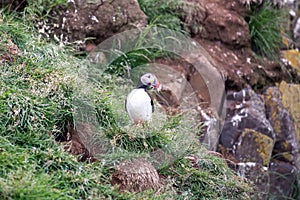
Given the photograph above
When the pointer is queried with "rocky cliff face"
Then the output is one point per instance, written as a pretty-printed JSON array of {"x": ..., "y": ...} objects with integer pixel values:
[{"x": 259, "y": 130}]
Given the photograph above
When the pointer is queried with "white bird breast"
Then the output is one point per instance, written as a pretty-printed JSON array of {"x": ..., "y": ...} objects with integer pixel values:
[{"x": 138, "y": 105}]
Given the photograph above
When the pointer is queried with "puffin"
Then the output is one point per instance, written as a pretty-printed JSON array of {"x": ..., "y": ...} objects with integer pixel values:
[{"x": 139, "y": 104}]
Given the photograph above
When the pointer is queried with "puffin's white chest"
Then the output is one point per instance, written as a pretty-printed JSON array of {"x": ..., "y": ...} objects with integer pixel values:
[{"x": 138, "y": 106}]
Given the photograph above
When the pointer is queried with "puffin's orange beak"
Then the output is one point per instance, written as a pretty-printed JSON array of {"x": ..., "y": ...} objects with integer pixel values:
[{"x": 155, "y": 84}]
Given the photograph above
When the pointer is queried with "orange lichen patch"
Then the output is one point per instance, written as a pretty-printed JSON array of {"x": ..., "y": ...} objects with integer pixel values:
[
  {"x": 288, "y": 156},
  {"x": 291, "y": 101},
  {"x": 254, "y": 147},
  {"x": 274, "y": 109},
  {"x": 283, "y": 125},
  {"x": 265, "y": 144},
  {"x": 285, "y": 145},
  {"x": 293, "y": 56},
  {"x": 285, "y": 42}
]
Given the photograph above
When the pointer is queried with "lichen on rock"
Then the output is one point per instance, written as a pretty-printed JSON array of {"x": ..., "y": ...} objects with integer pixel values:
[
  {"x": 293, "y": 58},
  {"x": 286, "y": 147},
  {"x": 291, "y": 100},
  {"x": 255, "y": 147}
]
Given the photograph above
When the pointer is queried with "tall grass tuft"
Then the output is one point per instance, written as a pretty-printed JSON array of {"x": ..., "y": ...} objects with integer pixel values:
[
  {"x": 163, "y": 13},
  {"x": 265, "y": 30}
]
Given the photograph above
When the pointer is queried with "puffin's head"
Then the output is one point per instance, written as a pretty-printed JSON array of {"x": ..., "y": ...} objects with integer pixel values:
[{"x": 150, "y": 81}]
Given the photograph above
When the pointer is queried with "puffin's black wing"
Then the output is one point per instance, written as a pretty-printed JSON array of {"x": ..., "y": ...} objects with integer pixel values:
[{"x": 152, "y": 104}]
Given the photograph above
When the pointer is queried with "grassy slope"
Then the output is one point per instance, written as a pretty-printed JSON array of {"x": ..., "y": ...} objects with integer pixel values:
[{"x": 35, "y": 103}]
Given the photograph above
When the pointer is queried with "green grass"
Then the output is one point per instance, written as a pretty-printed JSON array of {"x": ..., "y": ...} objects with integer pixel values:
[
  {"x": 206, "y": 178},
  {"x": 35, "y": 101},
  {"x": 133, "y": 59},
  {"x": 265, "y": 30},
  {"x": 37, "y": 94},
  {"x": 163, "y": 13}
]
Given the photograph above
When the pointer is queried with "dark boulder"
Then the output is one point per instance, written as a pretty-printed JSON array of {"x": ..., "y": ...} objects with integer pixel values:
[
  {"x": 96, "y": 20},
  {"x": 257, "y": 174},
  {"x": 283, "y": 180},
  {"x": 247, "y": 132},
  {"x": 286, "y": 146}
]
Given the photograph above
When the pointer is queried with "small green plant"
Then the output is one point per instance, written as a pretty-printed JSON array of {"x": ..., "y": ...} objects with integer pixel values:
[
  {"x": 201, "y": 176},
  {"x": 149, "y": 44},
  {"x": 163, "y": 13},
  {"x": 42, "y": 8},
  {"x": 132, "y": 59},
  {"x": 265, "y": 30}
]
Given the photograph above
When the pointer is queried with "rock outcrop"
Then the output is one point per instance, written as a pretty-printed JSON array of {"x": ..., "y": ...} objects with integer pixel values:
[
  {"x": 286, "y": 143},
  {"x": 247, "y": 132},
  {"x": 260, "y": 130},
  {"x": 94, "y": 21},
  {"x": 221, "y": 28}
]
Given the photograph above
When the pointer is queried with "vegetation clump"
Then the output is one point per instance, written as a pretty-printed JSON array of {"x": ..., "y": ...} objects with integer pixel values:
[
  {"x": 265, "y": 30},
  {"x": 36, "y": 105}
]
